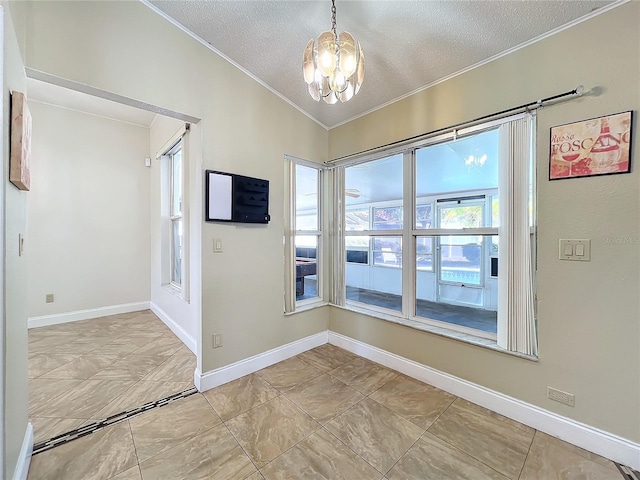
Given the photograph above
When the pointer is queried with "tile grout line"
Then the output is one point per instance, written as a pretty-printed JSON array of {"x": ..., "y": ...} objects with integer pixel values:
[
  {"x": 349, "y": 448},
  {"x": 526, "y": 457},
  {"x": 135, "y": 448},
  {"x": 462, "y": 451}
]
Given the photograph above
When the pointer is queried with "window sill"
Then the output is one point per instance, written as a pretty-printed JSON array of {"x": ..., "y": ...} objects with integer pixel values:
[
  {"x": 307, "y": 306},
  {"x": 173, "y": 290},
  {"x": 443, "y": 332}
]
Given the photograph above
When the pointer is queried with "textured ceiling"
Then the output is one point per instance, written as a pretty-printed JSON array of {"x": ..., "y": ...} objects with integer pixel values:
[{"x": 407, "y": 44}]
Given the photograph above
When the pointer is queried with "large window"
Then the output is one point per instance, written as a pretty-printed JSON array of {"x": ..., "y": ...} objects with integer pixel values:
[{"x": 424, "y": 229}]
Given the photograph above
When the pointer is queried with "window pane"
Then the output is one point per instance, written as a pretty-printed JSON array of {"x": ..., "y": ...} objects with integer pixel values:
[
  {"x": 357, "y": 242},
  {"x": 306, "y": 266},
  {"x": 176, "y": 183},
  {"x": 493, "y": 257},
  {"x": 424, "y": 216},
  {"x": 357, "y": 219},
  {"x": 461, "y": 259},
  {"x": 387, "y": 251},
  {"x": 373, "y": 182},
  {"x": 424, "y": 253},
  {"x": 465, "y": 164},
  {"x": 176, "y": 252},
  {"x": 306, "y": 198},
  {"x": 387, "y": 218},
  {"x": 461, "y": 216},
  {"x": 376, "y": 284},
  {"x": 495, "y": 211},
  {"x": 357, "y": 249}
]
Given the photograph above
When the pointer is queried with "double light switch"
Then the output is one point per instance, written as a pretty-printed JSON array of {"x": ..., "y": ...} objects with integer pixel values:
[{"x": 579, "y": 250}]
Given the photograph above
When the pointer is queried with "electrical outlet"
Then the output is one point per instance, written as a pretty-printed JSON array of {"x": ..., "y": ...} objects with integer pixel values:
[
  {"x": 562, "y": 397},
  {"x": 49, "y": 298},
  {"x": 217, "y": 340}
]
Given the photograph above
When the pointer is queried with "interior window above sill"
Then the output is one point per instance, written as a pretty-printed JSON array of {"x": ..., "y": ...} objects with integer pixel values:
[{"x": 443, "y": 332}]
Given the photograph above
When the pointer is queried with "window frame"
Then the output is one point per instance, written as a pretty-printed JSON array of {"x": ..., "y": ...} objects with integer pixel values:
[
  {"x": 290, "y": 236},
  {"x": 410, "y": 232},
  {"x": 176, "y": 216},
  {"x": 182, "y": 290}
]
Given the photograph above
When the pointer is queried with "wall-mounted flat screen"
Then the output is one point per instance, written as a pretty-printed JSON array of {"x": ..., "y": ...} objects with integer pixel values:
[{"x": 236, "y": 198}]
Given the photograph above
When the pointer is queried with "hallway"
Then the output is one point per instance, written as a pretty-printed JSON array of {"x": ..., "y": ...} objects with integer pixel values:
[{"x": 83, "y": 371}]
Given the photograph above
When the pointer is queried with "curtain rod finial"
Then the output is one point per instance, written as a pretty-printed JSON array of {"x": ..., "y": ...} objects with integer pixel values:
[{"x": 579, "y": 90}]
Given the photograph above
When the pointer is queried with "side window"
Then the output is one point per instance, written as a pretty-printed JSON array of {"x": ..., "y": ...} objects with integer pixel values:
[
  {"x": 176, "y": 213},
  {"x": 308, "y": 233},
  {"x": 303, "y": 236},
  {"x": 174, "y": 217}
]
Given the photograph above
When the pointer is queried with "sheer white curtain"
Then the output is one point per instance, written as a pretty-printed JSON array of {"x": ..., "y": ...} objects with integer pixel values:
[
  {"x": 337, "y": 237},
  {"x": 516, "y": 315},
  {"x": 289, "y": 235}
]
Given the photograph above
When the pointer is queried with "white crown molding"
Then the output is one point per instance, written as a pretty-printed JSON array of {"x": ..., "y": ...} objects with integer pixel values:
[
  {"x": 238, "y": 66},
  {"x": 550, "y": 33}
]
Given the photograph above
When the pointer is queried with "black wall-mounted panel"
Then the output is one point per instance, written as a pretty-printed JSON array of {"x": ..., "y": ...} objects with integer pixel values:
[{"x": 236, "y": 198}]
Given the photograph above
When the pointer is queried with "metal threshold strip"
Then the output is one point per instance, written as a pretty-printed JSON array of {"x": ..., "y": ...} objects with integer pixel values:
[
  {"x": 628, "y": 473},
  {"x": 100, "y": 424}
]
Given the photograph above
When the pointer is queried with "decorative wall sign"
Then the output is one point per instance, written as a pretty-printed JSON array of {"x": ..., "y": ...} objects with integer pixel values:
[
  {"x": 599, "y": 146},
  {"x": 19, "y": 173}
]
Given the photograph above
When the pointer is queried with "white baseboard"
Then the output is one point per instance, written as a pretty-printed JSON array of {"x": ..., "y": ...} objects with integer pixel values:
[
  {"x": 226, "y": 374},
  {"x": 24, "y": 460},
  {"x": 176, "y": 328},
  {"x": 78, "y": 315},
  {"x": 590, "y": 438}
]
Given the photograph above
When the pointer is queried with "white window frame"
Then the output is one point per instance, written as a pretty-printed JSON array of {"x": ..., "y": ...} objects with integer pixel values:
[
  {"x": 410, "y": 233},
  {"x": 175, "y": 217},
  {"x": 291, "y": 303},
  {"x": 179, "y": 139}
]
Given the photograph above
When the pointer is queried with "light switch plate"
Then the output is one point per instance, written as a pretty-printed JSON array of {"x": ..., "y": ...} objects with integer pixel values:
[
  {"x": 569, "y": 249},
  {"x": 217, "y": 245}
]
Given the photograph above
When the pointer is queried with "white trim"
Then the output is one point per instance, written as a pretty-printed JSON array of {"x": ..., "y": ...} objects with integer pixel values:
[
  {"x": 206, "y": 44},
  {"x": 56, "y": 318},
  {"x": 220, "y": 376},
  {"x": 566, "y": 26},
  {"x": 590, "y": 438},
  {"x": 24, "y": 460},
  {"x": 175, "y": 327},
  {"x": 114, "y": 97}
]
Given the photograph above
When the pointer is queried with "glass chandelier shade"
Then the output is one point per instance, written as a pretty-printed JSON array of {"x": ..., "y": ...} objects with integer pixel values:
[{"x": 333, "y": 66}]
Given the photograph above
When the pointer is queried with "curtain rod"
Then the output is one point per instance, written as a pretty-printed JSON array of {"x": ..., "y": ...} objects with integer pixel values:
[{"x": 578, "y": 91}]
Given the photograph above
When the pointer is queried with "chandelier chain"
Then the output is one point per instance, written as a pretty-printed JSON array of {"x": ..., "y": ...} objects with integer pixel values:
[{"x": 333, "y": 18}]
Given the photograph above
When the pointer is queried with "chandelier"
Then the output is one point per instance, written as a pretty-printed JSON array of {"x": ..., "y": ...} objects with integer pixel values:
[{"x": 334, "y": 67}]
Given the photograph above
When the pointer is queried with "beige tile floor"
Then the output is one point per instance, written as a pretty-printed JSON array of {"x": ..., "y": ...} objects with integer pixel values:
[
  {"x": 325, "y": 414},
  {"x": 84, "y": 371}
]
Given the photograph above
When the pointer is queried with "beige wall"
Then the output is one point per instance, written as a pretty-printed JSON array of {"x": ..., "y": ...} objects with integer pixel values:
[
  {"x": 588, "y": 313},
  {"x": 125, "y": 48},
  {"x": 15, "y": 398},
  {"x": 88, "y": 212},
  {"x": 588, "y": 327}
]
